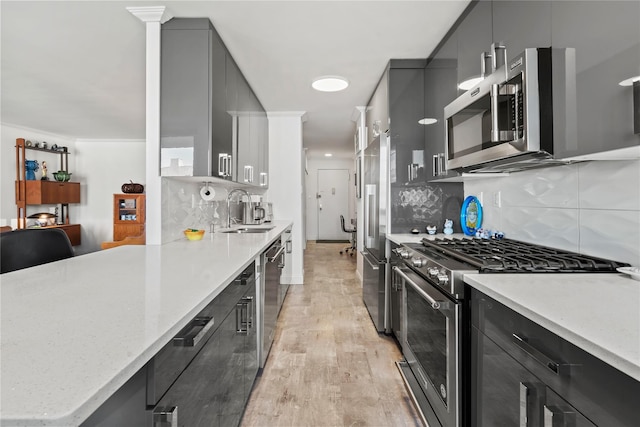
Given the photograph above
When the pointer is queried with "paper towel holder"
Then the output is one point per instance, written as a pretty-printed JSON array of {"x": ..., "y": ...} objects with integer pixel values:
[{"x": 207, "y": 192}]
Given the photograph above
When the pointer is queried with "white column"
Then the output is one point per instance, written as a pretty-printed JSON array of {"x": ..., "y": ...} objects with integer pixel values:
[
  {"x": 286, "y": 183},
  {"x": 153, "y": 17}
]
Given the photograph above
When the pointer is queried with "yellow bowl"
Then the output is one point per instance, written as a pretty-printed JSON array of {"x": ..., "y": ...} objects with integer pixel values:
[{"x": 193, "y": 234}]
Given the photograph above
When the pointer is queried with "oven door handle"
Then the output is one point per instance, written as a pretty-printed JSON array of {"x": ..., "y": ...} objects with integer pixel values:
[{"x": 435, "y": 304}]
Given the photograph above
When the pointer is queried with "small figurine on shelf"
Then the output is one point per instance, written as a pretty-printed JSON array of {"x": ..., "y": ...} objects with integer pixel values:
[
  {"x": 448, "y": 226},
  {"x": 31, "y": 166},
  {"x": 44, "y": 172}
]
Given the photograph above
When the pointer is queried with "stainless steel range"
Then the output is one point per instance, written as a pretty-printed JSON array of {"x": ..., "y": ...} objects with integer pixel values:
[{"x": 435, "y": 333}]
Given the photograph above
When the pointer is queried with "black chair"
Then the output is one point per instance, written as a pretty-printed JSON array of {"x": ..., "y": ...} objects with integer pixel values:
[
  {"x": 29, "y": 247},
  {"x": 352, "y": 247}
]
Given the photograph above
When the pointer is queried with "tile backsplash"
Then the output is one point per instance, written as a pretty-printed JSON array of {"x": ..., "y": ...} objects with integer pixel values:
[
  {"x": 184, "y": 207},
  {"x": 419, "y": 205},
  {"x": 591, "y": 207}
]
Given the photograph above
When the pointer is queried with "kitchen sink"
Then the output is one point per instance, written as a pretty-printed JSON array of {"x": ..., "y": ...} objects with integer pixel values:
[{"x": 248, "y": 230}]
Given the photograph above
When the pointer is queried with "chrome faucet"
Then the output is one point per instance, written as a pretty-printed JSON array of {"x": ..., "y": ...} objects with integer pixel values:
[{"x": 231, "y": 193}]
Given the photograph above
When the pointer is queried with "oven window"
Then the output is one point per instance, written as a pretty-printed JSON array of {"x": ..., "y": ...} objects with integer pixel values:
[{"x": 427, "y": 339}]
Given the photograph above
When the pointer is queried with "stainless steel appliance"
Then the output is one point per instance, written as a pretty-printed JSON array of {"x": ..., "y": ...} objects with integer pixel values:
[
  {"x": 268, "y": 211},
  {"x": 436, "y": 338},
  {"x": 273, "y": 261},
  {"x": 252, "y": 213},
  {"x": 520, "y": 116},
  {"x": 376, "y": 210}
]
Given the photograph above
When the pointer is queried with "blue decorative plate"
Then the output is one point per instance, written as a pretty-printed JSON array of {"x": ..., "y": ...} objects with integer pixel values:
[{"x": 471, "y": 215}]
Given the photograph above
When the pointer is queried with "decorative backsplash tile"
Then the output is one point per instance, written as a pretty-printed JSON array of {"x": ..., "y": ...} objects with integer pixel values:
[
  {"x": 419, "y": 205},
  {"x": 184, "y": 207},
  {"x": 610, "y": 185},
  {"x": 553, "y": 227},
  {"x": 591, "y": 207}
]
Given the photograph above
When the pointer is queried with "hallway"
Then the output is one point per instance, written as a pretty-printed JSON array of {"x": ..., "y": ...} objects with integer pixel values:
[{"x": 328, "y": 366}]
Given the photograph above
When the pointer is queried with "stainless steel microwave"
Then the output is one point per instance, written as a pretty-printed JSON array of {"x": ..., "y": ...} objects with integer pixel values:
[{"x": 514, "y": 118}]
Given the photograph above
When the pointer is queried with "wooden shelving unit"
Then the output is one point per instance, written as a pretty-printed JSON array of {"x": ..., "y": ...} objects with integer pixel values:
[
  {"x": 39, "y": 192},
  {"x": 128, "y": 216}
]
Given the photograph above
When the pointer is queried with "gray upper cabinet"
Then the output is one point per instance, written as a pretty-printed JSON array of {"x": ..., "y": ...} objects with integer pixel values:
[
  {"x": 377, "y": 115},
  {"x": 207, "y": 108},
  {"x": 439, "y": 90},
  {"x": 519, "y": 25},
  {"x": 606, "y": 38},
  {"x": 406, "y": 108},
  {"x": 194, "y": 125},
  {"x": 474, "y": 36}
]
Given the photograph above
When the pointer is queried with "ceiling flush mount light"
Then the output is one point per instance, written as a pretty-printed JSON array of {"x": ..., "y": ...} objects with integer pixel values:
[
  {"x": 330, "y": 84},
  {"x": 428, "y": 121},
  {"x": 630, "y": 81},
  {"x": 328, "y": 154}
]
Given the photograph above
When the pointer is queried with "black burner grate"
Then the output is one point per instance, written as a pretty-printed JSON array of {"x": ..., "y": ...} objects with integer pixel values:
[{"x": 513, "y": 256}]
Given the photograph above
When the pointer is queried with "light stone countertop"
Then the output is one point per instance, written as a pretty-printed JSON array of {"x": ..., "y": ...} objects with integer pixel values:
[{"x": 76, "y": 330}]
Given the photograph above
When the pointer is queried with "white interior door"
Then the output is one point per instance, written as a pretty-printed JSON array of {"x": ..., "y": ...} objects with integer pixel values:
[{"x": 333, "y": 200}]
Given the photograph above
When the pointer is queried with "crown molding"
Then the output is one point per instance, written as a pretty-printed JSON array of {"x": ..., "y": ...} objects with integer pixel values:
[{"x": 150, "y": 13}]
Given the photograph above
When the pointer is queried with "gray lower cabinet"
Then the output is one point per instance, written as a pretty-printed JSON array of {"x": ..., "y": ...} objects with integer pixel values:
[
  {"x": 524, "y": 375},
  {"x": 203, "y": 376},
  {"x": 213, "y": 390}
]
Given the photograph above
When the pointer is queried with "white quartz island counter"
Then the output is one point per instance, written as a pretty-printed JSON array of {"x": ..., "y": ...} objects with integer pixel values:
[
  {"x": 76, "y": 330},
  {"x": 600, "y": 313}
]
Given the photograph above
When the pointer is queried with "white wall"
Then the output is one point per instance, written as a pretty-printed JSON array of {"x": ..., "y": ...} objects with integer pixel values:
[
  {"x": 313, "y": 165},
  {"x": 286, "y": 189},
  {"x": 591, "y": 207},
  {"x": 102, "y": 167},
  {"x": 9, "y": 134}
]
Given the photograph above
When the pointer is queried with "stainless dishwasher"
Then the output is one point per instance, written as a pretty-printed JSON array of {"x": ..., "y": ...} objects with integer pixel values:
[{"x": 273, "y": 263}]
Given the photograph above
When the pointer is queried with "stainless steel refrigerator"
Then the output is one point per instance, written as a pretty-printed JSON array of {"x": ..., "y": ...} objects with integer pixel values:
[{"x": 376, "y": 223}]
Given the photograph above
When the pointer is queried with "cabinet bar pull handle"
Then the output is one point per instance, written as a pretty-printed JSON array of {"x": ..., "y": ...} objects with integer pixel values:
[
  {"x": 537, "y": 355},
  {"x": 165, "y": 416},
  {"x": 495, "y": 131},
  {"x": 191, "y": 334},
  {"x": 524, "y": 404}
]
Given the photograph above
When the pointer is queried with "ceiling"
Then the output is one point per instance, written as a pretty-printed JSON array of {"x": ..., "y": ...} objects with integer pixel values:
[{"x": 77, "y": 68}]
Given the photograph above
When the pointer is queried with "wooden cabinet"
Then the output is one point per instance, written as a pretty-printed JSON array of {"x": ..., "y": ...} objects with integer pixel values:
[
  {"x": 32, "y": 192},
  {"x": 128, "y": 215},
  {"x": 52, "y": 192}
]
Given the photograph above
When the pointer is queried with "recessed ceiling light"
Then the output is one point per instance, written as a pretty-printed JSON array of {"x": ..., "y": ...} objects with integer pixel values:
[
  {"x": 330, "y": 83},
  {"x": 428, "y": 121},
  {"x": 629, "y": 82},
  {"x": 469, "y": 83},
  {"x": 328, "y": 154}
]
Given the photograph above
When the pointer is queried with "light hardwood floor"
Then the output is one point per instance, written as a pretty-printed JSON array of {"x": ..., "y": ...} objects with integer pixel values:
[{"x": 328, "y": 366}]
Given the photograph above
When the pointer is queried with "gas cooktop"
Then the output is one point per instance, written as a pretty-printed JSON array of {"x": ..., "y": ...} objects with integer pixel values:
[{"x": 513, "y": 256}]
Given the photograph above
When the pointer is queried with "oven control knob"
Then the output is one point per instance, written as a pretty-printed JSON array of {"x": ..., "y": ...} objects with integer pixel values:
[
  {"x": 443, "y": 279},
  {"x": 433, "y": 272},
  {"x": 418, "y": 262},
  {"x": 404, "y": 253}
]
